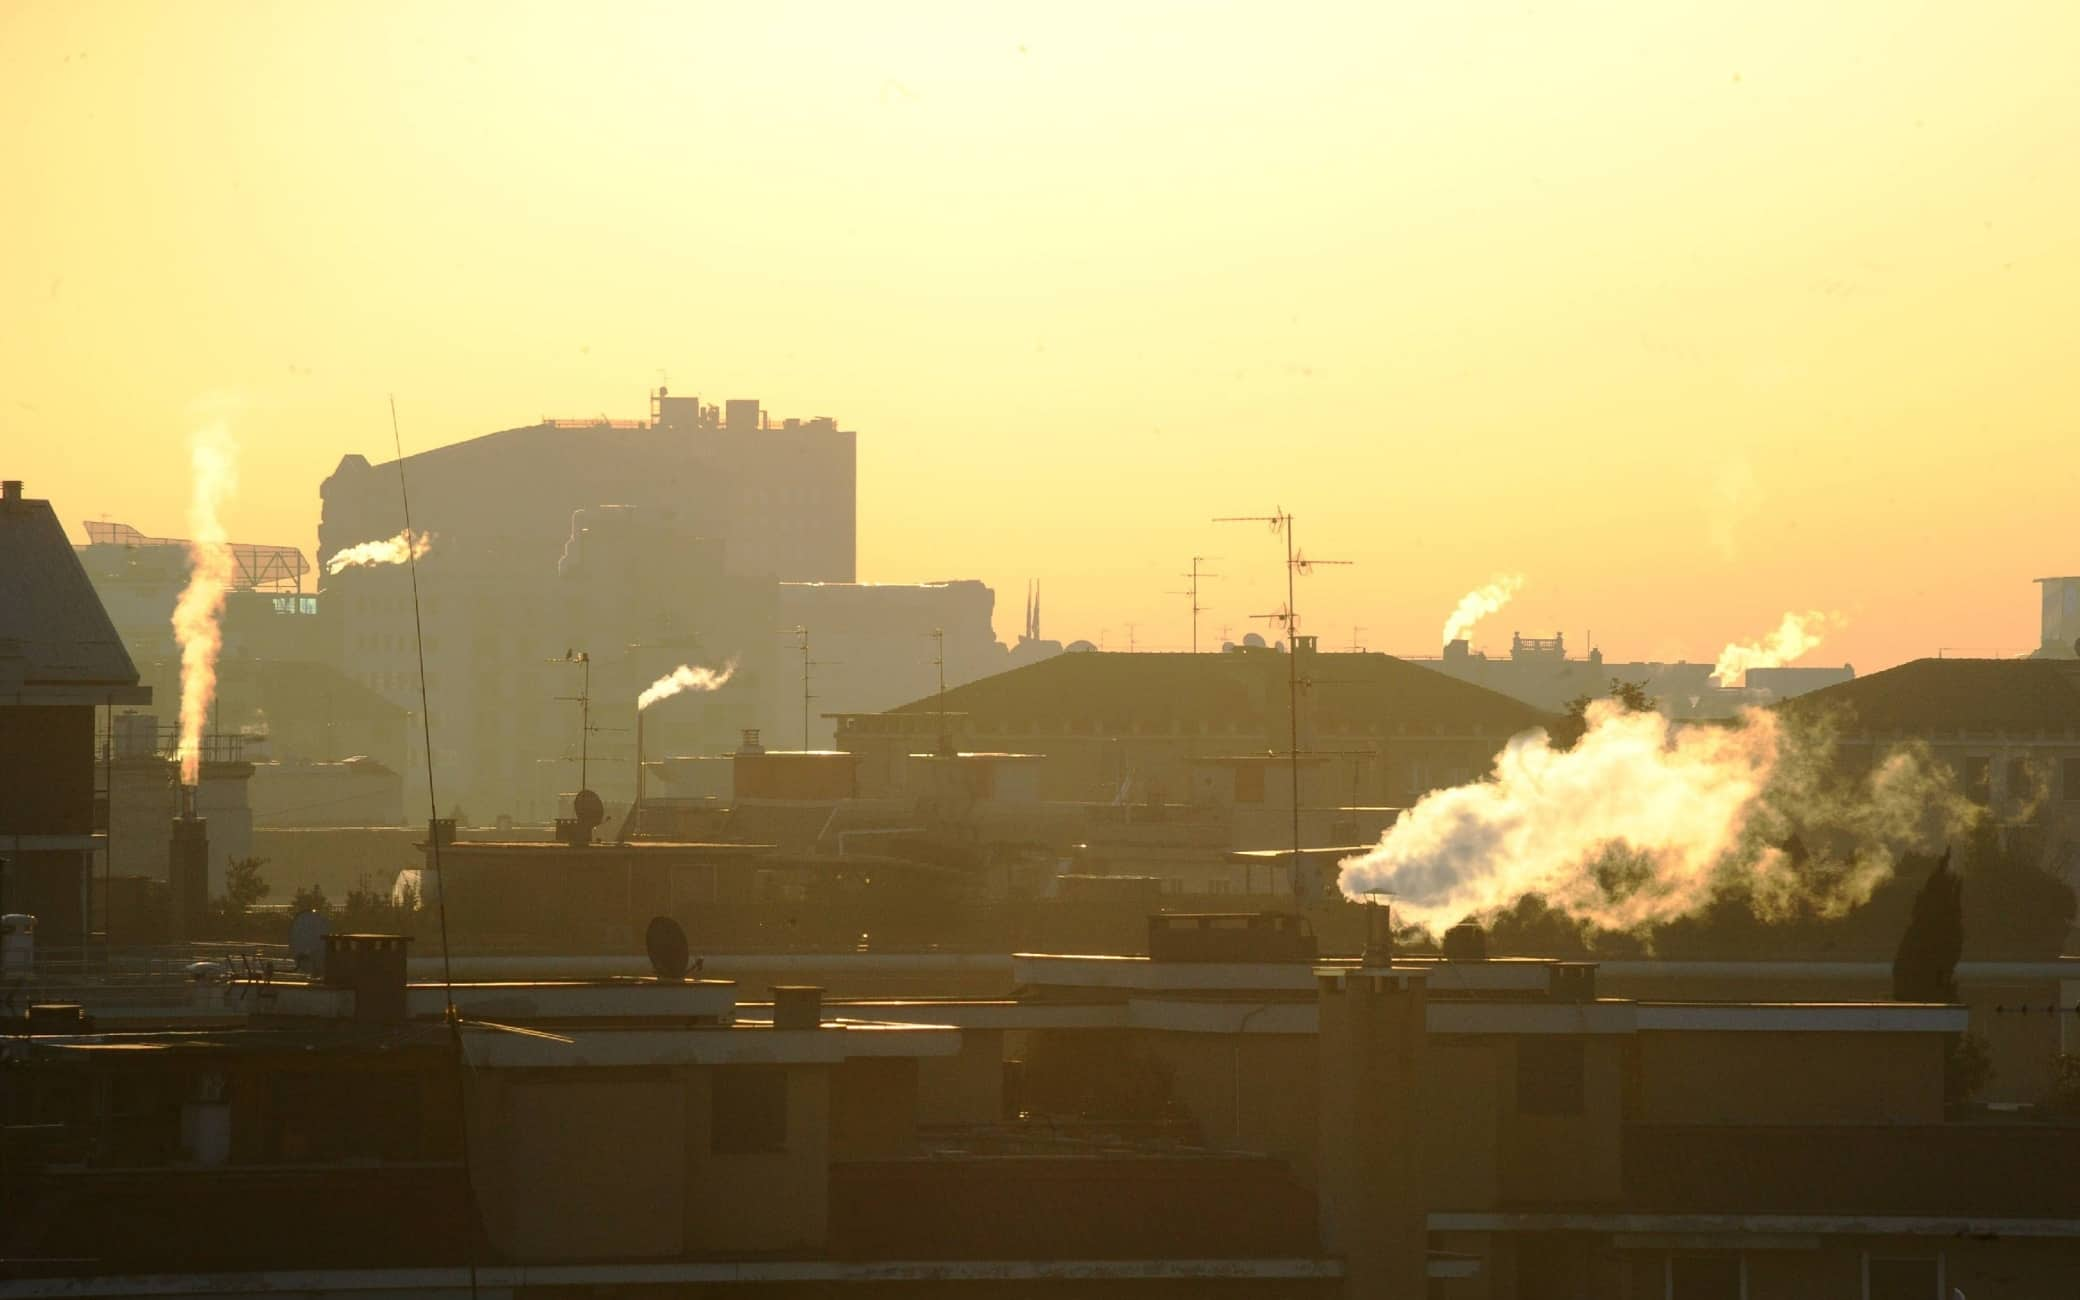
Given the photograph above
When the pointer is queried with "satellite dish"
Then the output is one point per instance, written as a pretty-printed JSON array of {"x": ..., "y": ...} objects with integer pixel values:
[
  {"x": 667, "y": 945},
  {"x": 307, "y": 940},
  {"x": 588, "y": 809}
]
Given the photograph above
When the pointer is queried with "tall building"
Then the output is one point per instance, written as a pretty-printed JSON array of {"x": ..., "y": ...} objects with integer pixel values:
[
  {"x": 574, "y": 562},
  {"x": 60, "y": 659},
  {"x": 781, "y": 497}
]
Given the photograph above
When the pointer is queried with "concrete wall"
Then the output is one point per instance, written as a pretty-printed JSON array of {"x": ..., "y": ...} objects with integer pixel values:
[
  {"x": 1564, "y": 1159},
  {"x": 967, "y": 1088},
  {"x": 768, "y": 1201},
  {"x": 873, "y": 1107},
  {"x": 593, "y": 1164},
  {"x": 1462, "y": 1093},
  {"x": 1789, "y": 1078},
  {"x": 1248, "y": 1092}
]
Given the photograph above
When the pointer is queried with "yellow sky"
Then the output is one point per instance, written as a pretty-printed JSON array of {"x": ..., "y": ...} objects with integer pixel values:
[{"x": 1689, "y": 313}]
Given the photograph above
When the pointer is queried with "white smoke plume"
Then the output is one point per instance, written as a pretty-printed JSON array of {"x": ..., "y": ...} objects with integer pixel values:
[
  {"x": 407, "y": 545},
  {"x": 197, "y": 615},
  {"x": 1645, "y": 821},
  {"x": 685, "y": 678},
  {"x": 1797, "y": 635},
  {"x": 1477, "y": 604}
]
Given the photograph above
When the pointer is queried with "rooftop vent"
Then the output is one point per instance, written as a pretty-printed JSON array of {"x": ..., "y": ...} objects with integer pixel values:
[{"x": 797, "y": 1006}]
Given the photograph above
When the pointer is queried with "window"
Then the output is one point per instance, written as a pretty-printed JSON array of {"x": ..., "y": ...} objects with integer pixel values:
[
  {"x": 2022, "y": 782},
  {"x": 1902, "y": 1279},
  {"x": 1706, "y": 1277},
  {"x": 1549, "y": 1075},
  {"x": 2071, "y": 787},
  {"x": 748, "y": 1111}
]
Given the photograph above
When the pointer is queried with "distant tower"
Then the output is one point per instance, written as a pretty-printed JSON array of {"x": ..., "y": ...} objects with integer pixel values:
[{"x": 2060, "y": 638}]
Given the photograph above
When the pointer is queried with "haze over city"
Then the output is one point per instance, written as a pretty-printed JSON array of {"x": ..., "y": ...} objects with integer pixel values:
[
  {"x": 1776, "y": 288},
  {"x": 1120, "y": 651}
]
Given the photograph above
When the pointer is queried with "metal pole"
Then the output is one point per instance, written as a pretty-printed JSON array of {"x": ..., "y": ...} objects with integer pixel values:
[
  {"x": 1293, "y": 691},
  {"x": 584, "y": 721}
]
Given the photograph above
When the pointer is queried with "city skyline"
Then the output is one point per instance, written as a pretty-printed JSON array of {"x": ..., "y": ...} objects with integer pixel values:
[{"x": 1801, "y": 347}]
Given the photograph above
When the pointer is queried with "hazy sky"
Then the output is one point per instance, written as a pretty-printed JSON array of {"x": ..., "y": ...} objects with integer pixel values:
[{"x": 1691, "y": 313}]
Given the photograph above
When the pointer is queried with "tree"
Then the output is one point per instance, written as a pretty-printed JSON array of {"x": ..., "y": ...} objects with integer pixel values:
[
  {"x": 310, "y": 899},
  {"x": 243, "y": 885},
  {"x": 1925, "y": 967},
  {"x": 243, "y": 888},
  {"x": 1632, "y": 697}
]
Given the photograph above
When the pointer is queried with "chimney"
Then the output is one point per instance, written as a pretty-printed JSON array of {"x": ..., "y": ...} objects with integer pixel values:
[
  {"x": 1374, "y": 1212},
  {"x": 750, "y": 742},
  {"x": 11, "y": 494},
  {"x": 1379, "y": 934},
  {"x": 1573, "y": 981},
  {"x": 187, "y": 871},
  {"x": 797, "y": 1006},
  {"x": 373, "y": 966}
]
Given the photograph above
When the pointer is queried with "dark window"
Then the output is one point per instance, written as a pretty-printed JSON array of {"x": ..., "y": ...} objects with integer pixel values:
[
  {"x": 2072, "y": 781},
  {"x": 1902, "y": 1279},
  {"x": 749, "y": 1113},
  {"x": 1704, "y": 1277},
  {"x": 1549, "y": 1075},
  {"x": 2022, "y": 785}
]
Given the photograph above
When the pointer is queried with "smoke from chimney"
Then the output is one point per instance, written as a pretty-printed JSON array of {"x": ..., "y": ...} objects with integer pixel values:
[
  {"x": 1477, "y": 604},
  {"x": 685, "y": 678},
  {"x": 1643, "y": 822},
  {"x": 197, "y": 616},
  {"x": 407, "y": 545},
  {"x": 1795, "y": 636}
]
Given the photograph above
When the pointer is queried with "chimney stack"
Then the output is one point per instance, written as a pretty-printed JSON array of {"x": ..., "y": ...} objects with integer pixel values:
[
  {"x": 187, "y": 870},
  {"x": 797, "y": 1006},
  {"x": 1374, "y": 1210}
]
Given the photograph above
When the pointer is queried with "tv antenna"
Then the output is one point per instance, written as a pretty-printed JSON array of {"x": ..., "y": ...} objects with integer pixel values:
[
  {"x": 1193, "y": 593},
  {"x": 801, "y": 633},
  {"x": 1297, "y": 563},
  {"x": 938, "y": 635},
  {"x": 583, "y": 699},
  {"x": 1356, "y": 648}
]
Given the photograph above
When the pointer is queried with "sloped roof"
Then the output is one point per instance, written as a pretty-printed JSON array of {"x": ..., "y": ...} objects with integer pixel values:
[
  {"x": 56, "y": 640},
  {"x": 2016, "y": 696},
  {"x": 1128, "y": 689}
]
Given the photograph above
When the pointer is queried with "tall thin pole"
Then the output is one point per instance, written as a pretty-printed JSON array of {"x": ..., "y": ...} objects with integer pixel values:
[
  {"x": 803, "y": 632},
  {"x": 440, "y": 876},
  {"x": 584, "y": 723},
  {"x": 1293, "y": 693},
  {"x": 1282, "y": 521},
  {"x": 939, "y": 661}
]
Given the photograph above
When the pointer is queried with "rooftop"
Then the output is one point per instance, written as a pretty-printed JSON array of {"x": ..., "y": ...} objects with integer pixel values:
[
  {"x": 2019, "y": 696},
  {"x": 1134, "y": 688},
  {"x": 57, "y": 643}
]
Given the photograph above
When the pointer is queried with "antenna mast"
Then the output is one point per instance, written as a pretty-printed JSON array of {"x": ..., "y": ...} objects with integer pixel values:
[
  {"x": 938, "y": 635},
  {"x": 583, "y": 699},
  {"x": 1193, "y": 594},
  {"x": 802, "y": 644},
  {"x": 1281, "y": 522}
]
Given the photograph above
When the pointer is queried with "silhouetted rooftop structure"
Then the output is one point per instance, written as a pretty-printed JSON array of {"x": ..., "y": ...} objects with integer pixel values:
[
  {"x": 1974, "y": 695},
  {"x": 1358, "y": 691},
  {"x": 55, "y": 637}
]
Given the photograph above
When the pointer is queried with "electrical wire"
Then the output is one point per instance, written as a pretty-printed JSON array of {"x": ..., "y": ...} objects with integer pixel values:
[{"x": 440, "y": 879}]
